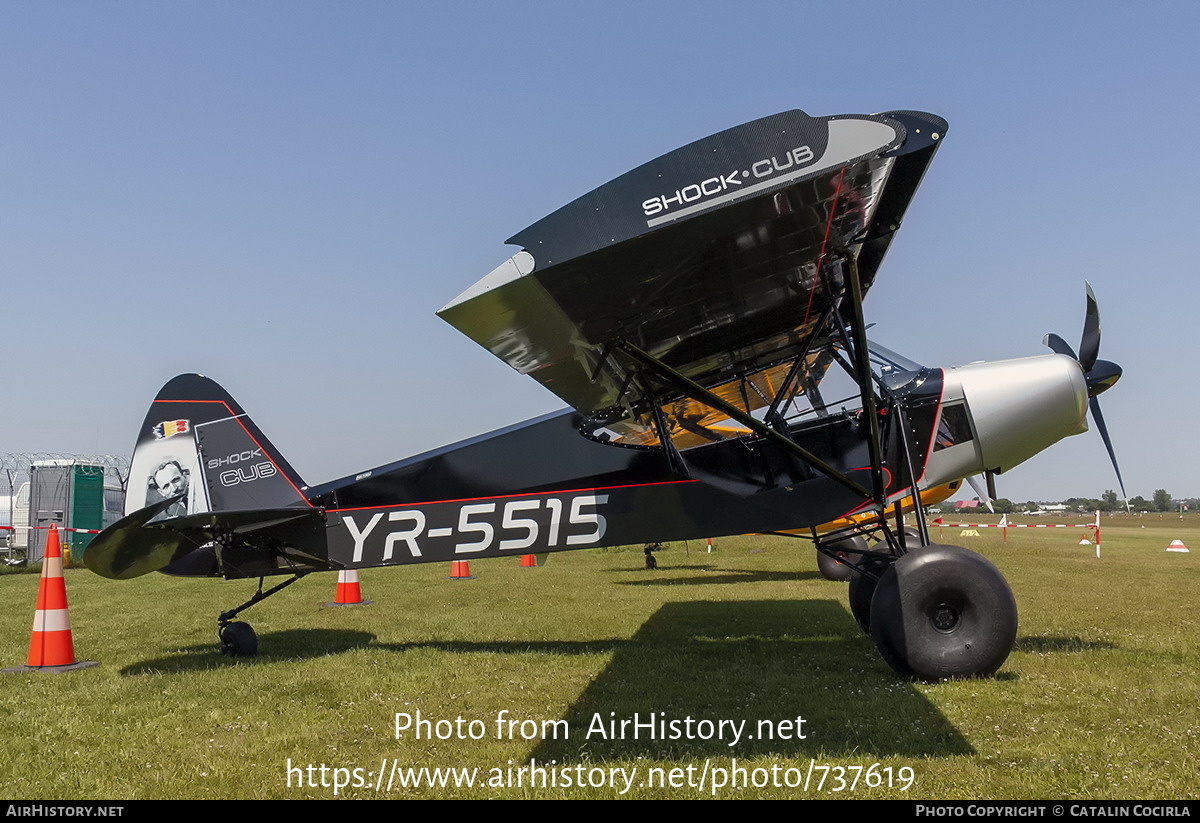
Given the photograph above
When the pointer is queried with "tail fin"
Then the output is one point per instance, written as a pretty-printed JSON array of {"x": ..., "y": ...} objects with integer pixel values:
[{"x": 197, "y": 444}]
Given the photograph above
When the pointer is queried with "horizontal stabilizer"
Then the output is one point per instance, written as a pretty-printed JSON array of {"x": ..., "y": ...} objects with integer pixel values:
[
  {"x": 232, "y": 543},
  {"x": 129, "y": 548}
]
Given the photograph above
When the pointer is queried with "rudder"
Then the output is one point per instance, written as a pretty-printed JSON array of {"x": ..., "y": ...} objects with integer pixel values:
[{"x": 198, "y": 444}]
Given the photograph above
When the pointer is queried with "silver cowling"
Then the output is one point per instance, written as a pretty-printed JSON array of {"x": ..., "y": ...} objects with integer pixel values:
[{"x": 1020, "y": 407}]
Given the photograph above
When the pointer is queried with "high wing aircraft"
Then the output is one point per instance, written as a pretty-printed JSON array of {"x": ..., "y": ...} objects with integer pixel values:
[{"x": 689, "y": 313}]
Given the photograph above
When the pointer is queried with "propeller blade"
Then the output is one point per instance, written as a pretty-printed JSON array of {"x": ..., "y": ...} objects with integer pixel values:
[
  {"x": 1089, "y": 345},
  {"x": 980, "y": 492},
  {"x": 1094, "y": 405},
  {"x": 1058, "y": 345}
]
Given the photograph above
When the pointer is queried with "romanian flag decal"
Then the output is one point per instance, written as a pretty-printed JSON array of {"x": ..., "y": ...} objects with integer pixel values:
[{"x": 170, "y": 428}]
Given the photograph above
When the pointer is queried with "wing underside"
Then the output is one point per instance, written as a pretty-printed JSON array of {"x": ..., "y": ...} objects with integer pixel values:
[{"x": 724, "y": 260}]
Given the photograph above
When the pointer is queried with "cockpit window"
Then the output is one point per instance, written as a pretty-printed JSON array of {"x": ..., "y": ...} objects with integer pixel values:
[{"x": 953, "y": 428}]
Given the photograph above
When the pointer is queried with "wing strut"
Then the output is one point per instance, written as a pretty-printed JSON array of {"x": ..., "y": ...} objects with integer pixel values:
[
  {"x": 910, "y": 465},
  {"x": 697, "y": 392},
  {"x": 862, "y": 367},
  {"x": 785, "y": 394},
  {"x": 674, "y": 459},
  {"x": 860, "y": 371}
]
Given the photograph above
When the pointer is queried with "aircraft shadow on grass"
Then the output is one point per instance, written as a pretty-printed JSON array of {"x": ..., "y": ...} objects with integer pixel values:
[
  {"x": 710, "y": 576},
  {"x": 768, "y": 660},
  {"x": 1061, "y": 645},
  {"x": 640, "y": 567},
  {"x": 290, "y": 644},
  {"x": 752, "y": 661}
]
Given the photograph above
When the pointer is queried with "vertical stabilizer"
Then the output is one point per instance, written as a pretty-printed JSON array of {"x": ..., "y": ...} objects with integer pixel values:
[{"x": 198, "y": 445}]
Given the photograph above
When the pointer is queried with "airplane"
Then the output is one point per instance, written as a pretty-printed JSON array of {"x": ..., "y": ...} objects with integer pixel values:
[{"x": 688, "y": 312}]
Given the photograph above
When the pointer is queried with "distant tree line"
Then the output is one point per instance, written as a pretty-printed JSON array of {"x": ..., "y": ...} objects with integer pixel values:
[{"x": 1161, "y": 501}]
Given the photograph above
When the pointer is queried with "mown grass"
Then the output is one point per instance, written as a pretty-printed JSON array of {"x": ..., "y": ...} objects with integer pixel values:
[{"x": 1098, "y": 700}]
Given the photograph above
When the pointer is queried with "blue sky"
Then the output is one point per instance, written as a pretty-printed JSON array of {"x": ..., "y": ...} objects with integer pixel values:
[{"x": 280, "y": 194}]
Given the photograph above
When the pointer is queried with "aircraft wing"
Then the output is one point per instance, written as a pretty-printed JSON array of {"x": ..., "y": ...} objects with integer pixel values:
[{"x": 721, "y": 259}]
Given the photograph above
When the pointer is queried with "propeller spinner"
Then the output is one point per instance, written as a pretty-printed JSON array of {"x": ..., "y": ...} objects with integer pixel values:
[{"x": 1100, "y": 375}]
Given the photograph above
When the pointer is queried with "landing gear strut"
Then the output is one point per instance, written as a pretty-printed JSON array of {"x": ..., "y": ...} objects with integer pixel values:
[
  {"x": 237, "y": 637},
  {"x": 849, "y": 548}
]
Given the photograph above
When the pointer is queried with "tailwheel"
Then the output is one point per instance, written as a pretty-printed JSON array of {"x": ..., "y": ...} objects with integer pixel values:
[
  {"x": 832, "y": 568},
  {"x": 943, "y": 612},
  {"x": 238, "y": 640}
]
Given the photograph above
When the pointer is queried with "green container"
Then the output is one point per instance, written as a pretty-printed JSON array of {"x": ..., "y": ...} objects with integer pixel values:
[{"x": 87, "y": 508}]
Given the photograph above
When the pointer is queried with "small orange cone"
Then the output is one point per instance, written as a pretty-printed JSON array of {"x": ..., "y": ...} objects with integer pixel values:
[
  {"x": 1177, "y": 546},
  {"x": 348, "y": 592},
  {"x": 50, "y": 645},
  {"x": 528, "y": 561},
  {"x": 460, "y": 570}
]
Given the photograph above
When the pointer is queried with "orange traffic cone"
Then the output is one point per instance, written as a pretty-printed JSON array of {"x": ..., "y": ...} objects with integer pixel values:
[
  {"x": 348, "y": 592},
  {"x": 460, "y": 570},
  {"x": 50, "y": 646},
  {"x": 528, "y": 561},
  {"x": 1177, "y": 546}
]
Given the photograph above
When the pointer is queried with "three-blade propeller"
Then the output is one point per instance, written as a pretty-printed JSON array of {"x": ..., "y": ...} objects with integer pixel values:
[{"x": 1100, "y": 375}]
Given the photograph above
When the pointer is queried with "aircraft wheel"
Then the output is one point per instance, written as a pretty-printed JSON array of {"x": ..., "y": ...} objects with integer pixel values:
[
  {"x": 912, "y": 537},
  {"x": 943, "y": 612},
  {"x": 238, "y": 640},
  {"x": 832, "y": 569},
  {"x": 862, "y": 589}
]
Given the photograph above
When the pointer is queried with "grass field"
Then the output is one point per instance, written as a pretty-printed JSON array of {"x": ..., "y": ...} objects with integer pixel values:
[{"x": 1100, "y": 699}]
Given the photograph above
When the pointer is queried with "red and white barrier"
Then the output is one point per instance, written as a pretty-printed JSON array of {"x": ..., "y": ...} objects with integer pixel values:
[
  {"x": 1004, "y": 526},
  {"x": 47, "y": 528}
]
